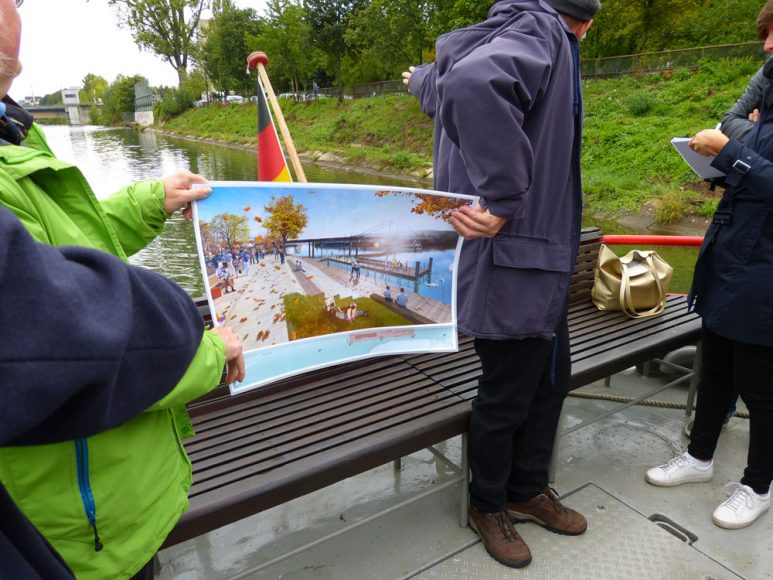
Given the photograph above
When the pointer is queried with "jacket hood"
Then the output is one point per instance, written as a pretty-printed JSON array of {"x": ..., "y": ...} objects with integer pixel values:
[{"x": 507, "y": 8}]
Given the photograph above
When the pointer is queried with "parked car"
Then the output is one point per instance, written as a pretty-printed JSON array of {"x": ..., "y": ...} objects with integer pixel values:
[{"x": 234, "y": 99}]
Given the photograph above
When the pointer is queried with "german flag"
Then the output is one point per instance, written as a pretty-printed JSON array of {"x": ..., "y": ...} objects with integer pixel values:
[{"x": 271, "y": 162}]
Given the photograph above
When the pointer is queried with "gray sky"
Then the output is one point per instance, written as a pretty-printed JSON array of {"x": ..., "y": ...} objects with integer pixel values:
[{"x": 64, "y": 40}]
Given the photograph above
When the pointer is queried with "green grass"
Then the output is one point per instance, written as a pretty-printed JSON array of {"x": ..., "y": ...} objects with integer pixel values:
[
  {"x": 628, "y": 160},
  {"x": 307, "y": 316}
]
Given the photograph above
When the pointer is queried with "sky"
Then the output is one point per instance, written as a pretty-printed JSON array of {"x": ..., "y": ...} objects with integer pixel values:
[
  {"x": 64, "y": 40},
  {"x": 332, "y": 212}
]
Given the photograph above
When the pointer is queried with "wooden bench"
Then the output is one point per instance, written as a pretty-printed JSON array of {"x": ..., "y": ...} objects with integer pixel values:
[{"x": 268, "y": 446}]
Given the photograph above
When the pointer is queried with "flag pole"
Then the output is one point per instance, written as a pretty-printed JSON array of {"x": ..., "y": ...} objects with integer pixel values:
[{"x": 258, "y": 61}]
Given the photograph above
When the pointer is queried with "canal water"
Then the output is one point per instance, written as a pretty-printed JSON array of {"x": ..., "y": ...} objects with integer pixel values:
[{"x": 112, "y": 158}]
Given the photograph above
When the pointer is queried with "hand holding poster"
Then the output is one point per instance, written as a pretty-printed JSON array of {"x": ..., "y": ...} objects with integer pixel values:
[{"x": 311, "y": 275}]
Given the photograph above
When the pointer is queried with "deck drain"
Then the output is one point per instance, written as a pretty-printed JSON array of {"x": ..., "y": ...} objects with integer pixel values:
[{"x": 673, "y": 528}]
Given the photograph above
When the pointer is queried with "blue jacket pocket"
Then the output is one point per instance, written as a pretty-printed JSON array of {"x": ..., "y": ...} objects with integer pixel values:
[{"x": 532, "y": 253}]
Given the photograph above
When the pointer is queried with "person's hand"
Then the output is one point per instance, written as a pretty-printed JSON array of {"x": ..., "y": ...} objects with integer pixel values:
[
  {"x": 179, "y": 191},
  {"x": 476, "y": 222},
  {"x": 708, "y": 142},
  {"x": 754, "y": 116},
  {"x": 234, "y": 354},
  {"x": 407, "y": 75}
]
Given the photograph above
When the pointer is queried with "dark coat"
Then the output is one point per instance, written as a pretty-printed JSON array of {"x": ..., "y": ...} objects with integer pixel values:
[
  {"x": 733, "y": 282},
  {"x": 87, "y": 343},
  {"x": 505, "y": 98}
]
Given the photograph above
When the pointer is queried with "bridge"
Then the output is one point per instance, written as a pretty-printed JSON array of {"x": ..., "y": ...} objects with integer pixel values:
[{"x": 75, "y": 114}]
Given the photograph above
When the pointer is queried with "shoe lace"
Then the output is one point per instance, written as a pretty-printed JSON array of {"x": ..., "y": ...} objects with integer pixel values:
[
  {"x": 676, "y": 463},
  {"x": 553, "y": 496},
  {"x": 739, "y": 498},
  {"x": 506, "y": 526}
]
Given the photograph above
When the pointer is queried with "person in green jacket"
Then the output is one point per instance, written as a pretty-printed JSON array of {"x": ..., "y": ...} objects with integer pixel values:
[{"x": 106, "y": 502}]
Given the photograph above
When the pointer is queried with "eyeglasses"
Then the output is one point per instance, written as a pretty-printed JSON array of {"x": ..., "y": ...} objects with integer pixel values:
[{"x": 19, "y": 3}]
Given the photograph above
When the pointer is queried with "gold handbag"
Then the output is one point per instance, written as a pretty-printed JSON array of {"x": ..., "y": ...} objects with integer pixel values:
[{"x": 636, "y": 283}]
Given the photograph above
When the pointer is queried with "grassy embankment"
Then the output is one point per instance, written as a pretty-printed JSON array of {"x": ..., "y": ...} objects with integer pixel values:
[{"x": 628, "y": 160}]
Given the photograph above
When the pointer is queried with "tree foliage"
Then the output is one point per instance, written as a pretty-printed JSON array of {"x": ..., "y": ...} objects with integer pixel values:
[
  {"x": 286, "y": 219},
  {"x": 436, "y": 206},
  {"x": 164, "y": 27},
  {"x": 224, "y": 49},
  {"x": 329, "y": 20},
  {"x": 118, "y": 99},
  {"x": 54, "y": 98},
  {"x": 226, "y": 229},
  {"x": 94, "y": 88},
  {"x": 624, "y": 27},
  {"x": 286, "y": 37}
]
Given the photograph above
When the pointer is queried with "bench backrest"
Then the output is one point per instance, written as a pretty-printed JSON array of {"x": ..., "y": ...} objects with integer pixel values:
[{"x": 584, "y": 265}]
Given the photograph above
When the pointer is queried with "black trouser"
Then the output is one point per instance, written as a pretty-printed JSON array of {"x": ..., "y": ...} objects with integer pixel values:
[
  {"x": 515, "y": 417},
  {"x": 730, "y": 367}
]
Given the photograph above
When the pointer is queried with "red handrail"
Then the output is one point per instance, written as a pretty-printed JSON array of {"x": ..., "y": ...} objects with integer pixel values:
[{"x": 650, "y": 240}]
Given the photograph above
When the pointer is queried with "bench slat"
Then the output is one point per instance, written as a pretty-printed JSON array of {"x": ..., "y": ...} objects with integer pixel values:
[{"x": 257, "y": 430}]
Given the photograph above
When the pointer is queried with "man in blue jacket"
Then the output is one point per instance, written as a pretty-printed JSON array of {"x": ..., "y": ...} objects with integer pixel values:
[
  {"x": 64, "y": 374},
  {"x": 506, "y": 100}
]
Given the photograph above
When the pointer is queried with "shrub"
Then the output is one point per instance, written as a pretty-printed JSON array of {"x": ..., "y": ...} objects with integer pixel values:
[{"x": 639, "y": 103}]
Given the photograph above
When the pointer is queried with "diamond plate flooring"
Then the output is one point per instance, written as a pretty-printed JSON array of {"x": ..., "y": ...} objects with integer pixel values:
[{"x": 619, "y": 544}]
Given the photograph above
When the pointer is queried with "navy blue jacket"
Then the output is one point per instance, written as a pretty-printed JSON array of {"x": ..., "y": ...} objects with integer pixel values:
[
  {"x": 87, "y": 343},
  {"x": 733, "y": 281},
  {"x": 505, "y": 98}
]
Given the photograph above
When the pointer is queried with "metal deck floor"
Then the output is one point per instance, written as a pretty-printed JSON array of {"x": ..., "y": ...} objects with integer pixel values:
[
  {"x": 619, "y": 544},
  {"x": 604, "y": 463}
]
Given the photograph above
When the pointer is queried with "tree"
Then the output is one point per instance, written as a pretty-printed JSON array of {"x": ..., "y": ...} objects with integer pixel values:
[
  {"x": 94, "y": 87},
  {"x": 329, "y": 20},
  {"x": 388, "y": 36},
  {"x": 286, "y": 39},
  {"x": 118, "y": 99},
  {"x": 52, "y": 99},
  {"x": 224, "y": 50},
  {"x": 623, "y": 27},
  {"x": 437, "y": 206},
  {"x": 164, "y": 27},
  {"x": 286, "y": 219},
  {"x": 227, "y": 229}
]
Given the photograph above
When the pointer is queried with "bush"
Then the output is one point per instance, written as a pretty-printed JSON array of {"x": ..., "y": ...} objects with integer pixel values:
[
  {"x": 175, "y": 102},
  {"x": 639, "y": 103}
]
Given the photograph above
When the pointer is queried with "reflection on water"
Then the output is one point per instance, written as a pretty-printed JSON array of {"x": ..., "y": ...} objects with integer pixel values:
[
  {"x": 435, "y": 268},
  {"x": 112, "y": 158}
]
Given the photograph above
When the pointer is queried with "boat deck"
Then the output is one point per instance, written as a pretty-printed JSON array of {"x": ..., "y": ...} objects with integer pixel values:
[{"x": 635, "y": 530}]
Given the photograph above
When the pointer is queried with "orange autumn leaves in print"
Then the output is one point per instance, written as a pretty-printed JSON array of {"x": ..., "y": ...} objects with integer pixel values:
[{"x": 432, "y": 205}]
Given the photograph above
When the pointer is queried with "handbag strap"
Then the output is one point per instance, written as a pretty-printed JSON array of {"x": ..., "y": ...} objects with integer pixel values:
[{"x": 626, "y": 301}]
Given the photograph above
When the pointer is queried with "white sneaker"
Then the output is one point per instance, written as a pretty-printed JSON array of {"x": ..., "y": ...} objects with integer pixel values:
[
  {"x": 741, "y": 508},
  {"x": 681, "y": 469}
]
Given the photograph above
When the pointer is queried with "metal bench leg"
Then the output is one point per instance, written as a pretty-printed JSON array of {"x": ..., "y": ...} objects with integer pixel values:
[
  {"x": 695, "y": 379},
  {"x": 465, "y": 499},
  {"x": 608, "y": 381},
  {"x": 397, "y": 464},
  {"x": 554, "y": 456}
]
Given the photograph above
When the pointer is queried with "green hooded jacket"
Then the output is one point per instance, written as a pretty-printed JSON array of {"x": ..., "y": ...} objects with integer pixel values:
[{"x": 106, "y": 503}]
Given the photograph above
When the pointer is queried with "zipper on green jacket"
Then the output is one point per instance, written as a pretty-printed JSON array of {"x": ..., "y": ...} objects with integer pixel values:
[{"x": 82, "y": 456}]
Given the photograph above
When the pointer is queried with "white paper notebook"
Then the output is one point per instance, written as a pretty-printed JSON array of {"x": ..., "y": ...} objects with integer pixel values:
[{"x": 700, "y": 164}]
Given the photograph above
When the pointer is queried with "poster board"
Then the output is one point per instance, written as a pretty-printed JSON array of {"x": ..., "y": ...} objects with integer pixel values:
[{"x": 313, "y": 275}]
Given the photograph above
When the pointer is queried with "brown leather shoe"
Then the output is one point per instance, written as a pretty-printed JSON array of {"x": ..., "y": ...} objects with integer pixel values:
[
  {"x": 547, "y": 511},
  {"x": 500, "y": 538}
]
